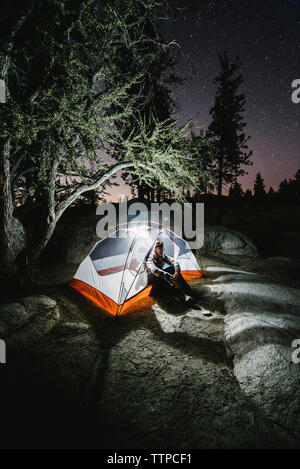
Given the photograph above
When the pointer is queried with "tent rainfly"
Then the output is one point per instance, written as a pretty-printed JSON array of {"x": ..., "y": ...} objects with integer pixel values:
[{"x": 114, "y": 274}]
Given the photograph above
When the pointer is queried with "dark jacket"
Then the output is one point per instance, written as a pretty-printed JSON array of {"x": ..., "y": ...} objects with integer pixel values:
[{"x": 155, "y": 264}]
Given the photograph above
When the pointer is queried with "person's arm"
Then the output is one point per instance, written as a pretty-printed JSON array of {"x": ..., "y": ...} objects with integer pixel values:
[
  {"x": 171, "y": 261},
  {"x": 153, "y": 269}
]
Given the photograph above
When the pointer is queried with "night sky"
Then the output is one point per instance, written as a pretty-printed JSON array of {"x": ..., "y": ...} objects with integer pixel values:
[{"x": 266, "y": 36}]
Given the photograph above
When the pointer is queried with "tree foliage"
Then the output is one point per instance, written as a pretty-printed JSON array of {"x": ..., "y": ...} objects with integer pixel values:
[{"x": 76, "y": 77}]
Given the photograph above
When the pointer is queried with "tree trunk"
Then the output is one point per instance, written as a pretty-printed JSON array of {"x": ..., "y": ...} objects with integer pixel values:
[
  {"x": 9, "y": 271},
  {"x": 152, "y": 195},
  {"x": 220, "y": 176},
  {"x": 34, "y": 253},
  {"x": 140, "y": 192},
  {"x": 220, "y": 184},
  {"x": 158, "y": 196},
  {"x": 47, "y": 225}
]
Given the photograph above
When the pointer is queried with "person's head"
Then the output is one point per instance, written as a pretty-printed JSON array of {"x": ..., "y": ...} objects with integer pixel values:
[{"x": 159, "y": 248}]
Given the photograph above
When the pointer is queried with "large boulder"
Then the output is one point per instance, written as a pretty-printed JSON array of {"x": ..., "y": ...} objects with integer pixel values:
[
  {"x": 282, "y": 269},
  {"x": 262, "y": 321},
  {"x": 218, "y": 239},
  {"x": 82, "y": 239},
  {"x": 27, "y": 320}
]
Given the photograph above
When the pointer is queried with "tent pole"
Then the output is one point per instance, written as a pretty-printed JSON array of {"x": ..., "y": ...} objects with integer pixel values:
[
  {"x": 138, "y": 271},
  {"x": 122, "y": 280}
]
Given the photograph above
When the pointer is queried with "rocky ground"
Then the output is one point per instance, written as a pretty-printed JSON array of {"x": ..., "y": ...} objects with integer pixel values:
[{"x": 216, "y": 374}]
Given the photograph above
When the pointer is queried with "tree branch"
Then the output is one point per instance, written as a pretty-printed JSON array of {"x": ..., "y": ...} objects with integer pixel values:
[
  {"x": 10, "y": 43},
  {"x": 17, "y": 164},
  {"x": 62, "y": 206}
]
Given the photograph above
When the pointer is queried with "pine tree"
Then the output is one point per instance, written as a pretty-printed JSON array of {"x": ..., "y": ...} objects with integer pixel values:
[
  {"x": 227, "y": 126},
  {"x": 248, "y": 196},
  {"x": 297, "y": 176},
  {"x": 296, "y": 185},
  {"x": 271, "y": 194},
  {"x": 285, "y": 190},
  {"x": 202, "y": 152},
  {"x": 259, "y": 188},
  {"x": 236, "y": 191}
]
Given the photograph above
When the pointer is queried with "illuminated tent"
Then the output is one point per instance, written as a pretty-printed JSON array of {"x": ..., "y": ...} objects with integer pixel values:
[{"x": 114, "y": 274}]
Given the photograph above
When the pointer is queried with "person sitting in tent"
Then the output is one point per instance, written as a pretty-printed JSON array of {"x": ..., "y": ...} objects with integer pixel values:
[{"x": 162, "y": 267}]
